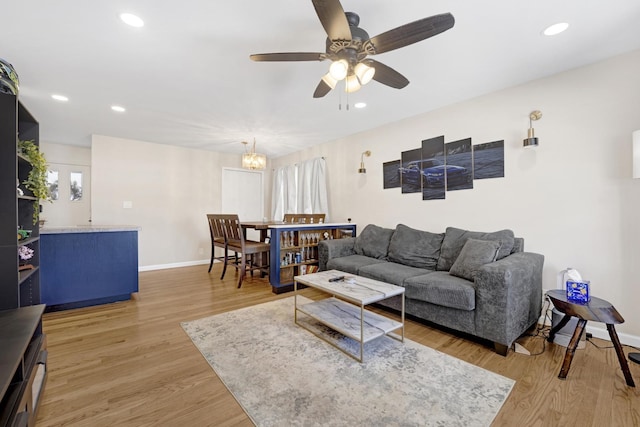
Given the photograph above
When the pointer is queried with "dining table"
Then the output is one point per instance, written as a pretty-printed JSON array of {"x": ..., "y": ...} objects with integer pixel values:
[{"x": 261, "y": 226}]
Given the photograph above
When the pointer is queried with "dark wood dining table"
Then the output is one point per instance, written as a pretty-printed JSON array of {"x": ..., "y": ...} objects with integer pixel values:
[{"x": 261, "y": 226}]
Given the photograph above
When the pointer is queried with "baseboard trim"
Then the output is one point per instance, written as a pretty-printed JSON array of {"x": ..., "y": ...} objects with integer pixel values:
[
  {"x": 602, "y": 333},
  {"x": 173, "y": 265}
]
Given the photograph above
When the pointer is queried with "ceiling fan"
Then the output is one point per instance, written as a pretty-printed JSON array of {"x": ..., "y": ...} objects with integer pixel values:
[{"x": 348, "y": 46}]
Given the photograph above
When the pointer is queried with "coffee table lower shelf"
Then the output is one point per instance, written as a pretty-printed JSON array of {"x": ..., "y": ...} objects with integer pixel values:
[{"x": 350, "y": 320}]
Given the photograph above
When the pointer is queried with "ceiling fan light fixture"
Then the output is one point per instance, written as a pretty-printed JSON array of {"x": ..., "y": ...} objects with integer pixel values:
[
  {"x": 352, "y": 84},
  {"x": 329, "y": 80},
  {"x": 364, "y": 73},
  {"x": 339, "y": 69}
]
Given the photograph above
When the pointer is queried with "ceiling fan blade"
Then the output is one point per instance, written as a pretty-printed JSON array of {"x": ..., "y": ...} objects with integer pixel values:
[
  {"x": 411, "y": 33},
  {"x": 387, "y": 75},
  {"x": 321, "y": 90},
  {"x": 333, "y": 19},
  {"x": 289, "y": 56}
]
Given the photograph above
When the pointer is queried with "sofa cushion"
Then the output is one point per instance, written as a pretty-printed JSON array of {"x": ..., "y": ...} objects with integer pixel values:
[
  {"x": 518, "y": 245},
  {"x": 351, "y": 263},
  {"x": 441, "y": 288},
  {"x": 474, "y": 254},
  {"x": 373, "y": 241},
  {"x": 415, "y": 248},
  {"x": 455, "y": 238},
  {"x": 391, "y": 272}
]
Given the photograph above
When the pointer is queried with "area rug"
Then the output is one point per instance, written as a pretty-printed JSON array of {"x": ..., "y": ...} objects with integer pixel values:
[{"x": 283, "y": 375}]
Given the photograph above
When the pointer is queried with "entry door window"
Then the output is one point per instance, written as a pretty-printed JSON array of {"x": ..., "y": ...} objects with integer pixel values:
[
  {"x": 75, "y": 187},
  {"x": 52, "y": 183}
]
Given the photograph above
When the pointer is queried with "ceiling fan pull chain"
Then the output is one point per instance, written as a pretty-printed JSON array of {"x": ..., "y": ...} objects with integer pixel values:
[{"x": 345, "y": 88}]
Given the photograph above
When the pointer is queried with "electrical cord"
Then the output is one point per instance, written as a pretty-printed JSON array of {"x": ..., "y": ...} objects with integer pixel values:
[
  {"x": 542, "y": 331},
  {"x": 603, "y": 347}
]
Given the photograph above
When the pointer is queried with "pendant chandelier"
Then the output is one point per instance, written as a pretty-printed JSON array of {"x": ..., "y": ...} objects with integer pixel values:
[{"x": 251, "y": 159}]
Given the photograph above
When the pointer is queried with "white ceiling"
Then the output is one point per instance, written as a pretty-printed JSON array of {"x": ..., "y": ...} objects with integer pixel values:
[{"x": 185, "y": 78}]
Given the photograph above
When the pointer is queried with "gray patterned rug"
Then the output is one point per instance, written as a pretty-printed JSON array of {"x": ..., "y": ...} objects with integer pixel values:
[{"x": 282, "y": 375}]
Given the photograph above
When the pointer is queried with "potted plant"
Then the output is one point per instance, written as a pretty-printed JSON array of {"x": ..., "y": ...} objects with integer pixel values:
[{"x": 36, "y": 181}]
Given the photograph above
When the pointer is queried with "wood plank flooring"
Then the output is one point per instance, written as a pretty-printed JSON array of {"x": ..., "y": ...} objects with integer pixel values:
[{"x": 131, "y": 364}]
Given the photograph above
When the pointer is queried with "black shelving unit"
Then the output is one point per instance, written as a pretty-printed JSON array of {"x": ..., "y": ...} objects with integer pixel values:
[{"x": 23, "y": 353}]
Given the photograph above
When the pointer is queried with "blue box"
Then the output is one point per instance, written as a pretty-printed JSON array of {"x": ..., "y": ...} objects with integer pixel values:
[{"x": 578, "y": 291}]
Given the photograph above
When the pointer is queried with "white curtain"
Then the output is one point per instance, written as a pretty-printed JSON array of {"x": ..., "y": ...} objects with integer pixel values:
[
  {"x": 300, "y": 188},
  {"x": 283, "y": 195}
]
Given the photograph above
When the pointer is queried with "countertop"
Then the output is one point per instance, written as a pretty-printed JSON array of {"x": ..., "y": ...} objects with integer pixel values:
[
  {"x": 312, "y": 225},
  {"x": 87, "y": 229}
]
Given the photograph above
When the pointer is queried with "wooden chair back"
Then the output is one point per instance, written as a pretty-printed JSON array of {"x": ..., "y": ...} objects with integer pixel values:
[
  {"x": 215, "y": 230},
  {"x": 228, "y": 227},
  {"x": 304, "y": 218}
]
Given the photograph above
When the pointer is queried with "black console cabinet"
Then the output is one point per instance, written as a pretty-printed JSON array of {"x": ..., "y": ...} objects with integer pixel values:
[
  {"x": 22, "y": 364},
  {"x": 22, "y": 343}
]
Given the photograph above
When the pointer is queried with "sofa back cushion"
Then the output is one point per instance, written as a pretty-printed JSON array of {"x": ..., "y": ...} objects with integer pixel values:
[
  {"x": 373, "y": 241},
  {"x": 415, "y": 248},
  {"x": 455, "y": 238},
  {"x": 518, "y": 245},
  {"x": 474, "y": 254}
]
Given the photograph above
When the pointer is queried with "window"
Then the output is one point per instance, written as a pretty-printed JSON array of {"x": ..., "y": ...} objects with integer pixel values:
[
  {"x": 52, "y": 183},
  {"x": 75, "y": 187}
]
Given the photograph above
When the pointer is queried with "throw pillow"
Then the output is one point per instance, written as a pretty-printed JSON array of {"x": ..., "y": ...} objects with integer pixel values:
[
  {"x": 474, "y": 254},
  {"x": 373, "y": 241},
  {"x": 415, "y": 248},
  {"x": 455, "y": 238}
]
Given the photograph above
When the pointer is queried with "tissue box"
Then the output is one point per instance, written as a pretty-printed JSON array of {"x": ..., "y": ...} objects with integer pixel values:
[{"x": 578, "y": 291}]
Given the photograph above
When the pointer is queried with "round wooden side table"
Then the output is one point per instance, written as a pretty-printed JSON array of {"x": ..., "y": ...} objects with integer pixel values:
[{"x": 597, "y": 310}]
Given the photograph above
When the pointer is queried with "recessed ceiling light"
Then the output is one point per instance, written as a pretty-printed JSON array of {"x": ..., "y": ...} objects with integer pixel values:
[
  {"x": 118, "y": 109},
  {"x": 131, "y": 19},
  {"x": 60, "y": 98},
  {"x": 360, "y": 104},
  {"x": 555, "y": 29}
]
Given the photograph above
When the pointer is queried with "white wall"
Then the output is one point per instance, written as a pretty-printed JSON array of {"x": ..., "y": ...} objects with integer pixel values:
[
  {"x": 171, "y": 190},
  {"x": 66, "y": 154},
  {"x": 572, "y": 198}
]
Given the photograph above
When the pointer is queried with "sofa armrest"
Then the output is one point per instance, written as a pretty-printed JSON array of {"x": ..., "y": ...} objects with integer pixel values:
[
  {"x": 336, "y": 248},
  {"x": 508, "y": 296}
]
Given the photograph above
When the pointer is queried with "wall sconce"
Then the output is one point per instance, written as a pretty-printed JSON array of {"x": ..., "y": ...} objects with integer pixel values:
[
  {"x": 531, "y": 140},
  {"x": 252, "y": 160},
  {"x": 636, "y": 154},
  {"x": 362, "y": 168}
]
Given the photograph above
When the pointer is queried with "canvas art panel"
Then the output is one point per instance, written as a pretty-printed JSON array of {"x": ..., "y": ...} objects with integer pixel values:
[
  {"x": 488, "y": 160},
  {"x": 410, "y": 171},
  {"x": 459, "y": 165},
  {"x": 432, "y": 168},
  {"x": 391, "y": 174}
]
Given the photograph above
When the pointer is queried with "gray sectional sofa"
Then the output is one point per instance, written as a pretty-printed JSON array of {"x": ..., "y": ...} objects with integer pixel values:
[{"x": 477, "y": 283}]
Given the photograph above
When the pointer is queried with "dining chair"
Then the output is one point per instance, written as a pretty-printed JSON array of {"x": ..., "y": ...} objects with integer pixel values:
[
  {"x": 304, "y": 218},
  {"x": 248, "y": 252},
  {"x": 216, "y": 231}
]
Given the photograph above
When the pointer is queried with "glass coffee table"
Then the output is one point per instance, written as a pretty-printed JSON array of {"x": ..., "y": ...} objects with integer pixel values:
[{"x": 344, "y": 311}]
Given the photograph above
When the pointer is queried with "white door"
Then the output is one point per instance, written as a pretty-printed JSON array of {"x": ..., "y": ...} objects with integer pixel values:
[
  {"x": 243, "y": 194},
  {"x": 70, "y": 189}
]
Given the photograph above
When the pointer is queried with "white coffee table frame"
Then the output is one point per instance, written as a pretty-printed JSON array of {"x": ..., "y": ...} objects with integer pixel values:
[{"x": 344, "y": 312}]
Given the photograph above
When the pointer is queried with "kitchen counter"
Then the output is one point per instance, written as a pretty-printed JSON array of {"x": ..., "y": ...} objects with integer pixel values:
[
  {"x": 87, "y": 265},
  {"x": 86, "y": 229}
]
